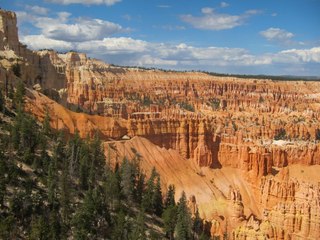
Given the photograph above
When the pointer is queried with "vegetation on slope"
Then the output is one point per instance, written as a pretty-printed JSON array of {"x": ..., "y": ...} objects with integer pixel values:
[{"x": 55, "y": 187}]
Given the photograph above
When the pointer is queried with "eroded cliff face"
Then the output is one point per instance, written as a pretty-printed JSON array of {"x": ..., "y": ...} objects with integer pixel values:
[{"x": 245, "y": 151}]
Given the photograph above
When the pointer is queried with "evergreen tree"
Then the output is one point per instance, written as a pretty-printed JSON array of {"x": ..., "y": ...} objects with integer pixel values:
[
  {"x": 127, "y": 180},
  {"x": 18, "y": 97},
  {"x": 65, "y": 195},
  {"x": 169, "y": 199},
  {"x": 139, "y": 229},
  {"x": 2, "y": 101},
  {"x": 52, "y": 183},
  {"x": 54, "y": 225},
  {"x": 46, "y": 124},
  {"x": 140, "y": 184},
  {"x": 197, "y": 224},
  {"x": 84, "y": 167},
  {"x": 149, "y": 191},
  {"x": 39, "y": 228},
  {"x": 3, "y": 181},
  {"x": 120, "y": 228},
  {"x": 169, "y": 215},
  {"x": 97, "y": 165},
  {"x": 112, "y": 189},
  {"x": 83, "y": 220},
  {"x": 74, "y": 147},
  {"x": 184, "y": 222},
  {"x": 157, "y": 205}
]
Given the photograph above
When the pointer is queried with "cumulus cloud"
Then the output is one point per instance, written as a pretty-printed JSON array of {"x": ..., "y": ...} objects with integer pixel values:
[
  {"x": 64, "y": 28},
  {"x": 37, "y": 42},
  {"x": 277, "y": 34},
  {"x": 303, "y": 55},
  {"x": 81, "y": 30},
  {"x": 212, "y": 20},
  {"x": 85, "y": 2},
  {"x": 114, "y": 46},
  {"x": 135, "y": 52}
]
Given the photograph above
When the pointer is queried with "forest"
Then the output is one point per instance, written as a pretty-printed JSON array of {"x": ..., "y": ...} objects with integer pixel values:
[{"x": 54, "y": 186}]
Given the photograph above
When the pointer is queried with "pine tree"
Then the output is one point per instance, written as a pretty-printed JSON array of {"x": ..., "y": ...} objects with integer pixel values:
[
  {"x": 74, "y": 147},
  {"x": 197, "y": 224},
  {"x": 18, "y": 97},
  {"x": 52, "y": 182},
  {"x": 3, "y": 181},
  {"x": 84, "y": 168},
  {"x": 169, "y": 217},
  {"x": 184, "y": 222},
  {"x": 148, "y": 193},
  {"x": 139, "y": 229},
  {"x": 169, "y": 199},
  {"x": 2, "y": 101},
  {"x": 39, "y": 228},
  {"x": 120, "y": 228},
  {"x": 54, "y": 225},
  {"x": 65, "y": 195},
  {"x": 83, "y": 219},
  {"x": 156, "y": 200},
  {"x": 112, "y": 190},
  {"x": 127, "y": 180}
]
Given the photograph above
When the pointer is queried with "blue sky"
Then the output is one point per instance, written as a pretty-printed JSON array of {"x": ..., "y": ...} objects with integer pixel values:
[{"x": 276, "y": 37}]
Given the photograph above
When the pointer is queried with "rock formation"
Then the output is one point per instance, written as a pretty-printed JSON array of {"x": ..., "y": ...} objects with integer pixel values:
[{"x": 245, "y": 151}]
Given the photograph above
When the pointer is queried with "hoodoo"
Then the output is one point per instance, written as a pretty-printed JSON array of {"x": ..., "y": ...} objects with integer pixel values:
[{"x": 245, "y": 151}]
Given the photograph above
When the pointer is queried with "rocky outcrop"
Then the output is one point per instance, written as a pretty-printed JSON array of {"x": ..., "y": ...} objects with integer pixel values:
[{"x": 248, "y": 150}]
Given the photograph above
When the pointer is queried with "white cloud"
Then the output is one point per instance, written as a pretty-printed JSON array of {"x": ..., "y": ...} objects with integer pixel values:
[
  {"x": 135, "y": 52},
  {"x": 85, "y": 2},
  {"x": 114, "y": 46},
  {"x": 212, "y": 20},
  {"x": 277, "y": 34},
  {"x": 37, "y": 42},
  {"x": 81, "y": 30},
  {"x": 224, "y": 4},
  {"x": 303, "y": 55},
  {"x": 37, "y": 10},
  {"x": 64, "y": 28}
]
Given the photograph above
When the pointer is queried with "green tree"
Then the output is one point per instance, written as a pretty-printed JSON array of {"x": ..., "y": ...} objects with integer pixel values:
[
  {"x": 65, "y": 195},
  {"x": 156, "y": 200},
  {"x": 184, "y": 222},
  {"x": 3, "y": 180},
  {"x": 139, "y": 229},
  {"x": 39, "y": 228},
  {"x": 169, "y": 199},
  {"x": 83, "y": 220},
  {"x": 54, "y": 225},
  {"x": 97, "y": 165},
  {"x": 169, "y": 217},
  {"x": 16, "y": 69},
  {"x": 74, "y": 147},
  {"x": 127, "y": 180},
  {"x": 18, "y": 97},
  {"x": 112, "y": 190},
  {"x": 84, "y": 167},
  {"x": 120, "y": 228},
  {"x": 2, "y": 101},
  {"x": 46, "y": 124},
  {"x": 149, "y": 191}
]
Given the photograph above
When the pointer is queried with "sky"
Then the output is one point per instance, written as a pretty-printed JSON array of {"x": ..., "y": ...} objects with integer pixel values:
[{"x": 274, "y": 37}]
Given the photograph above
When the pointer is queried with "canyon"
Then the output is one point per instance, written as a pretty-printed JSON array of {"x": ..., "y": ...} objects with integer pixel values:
[{"x": 245, "y": 151}]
